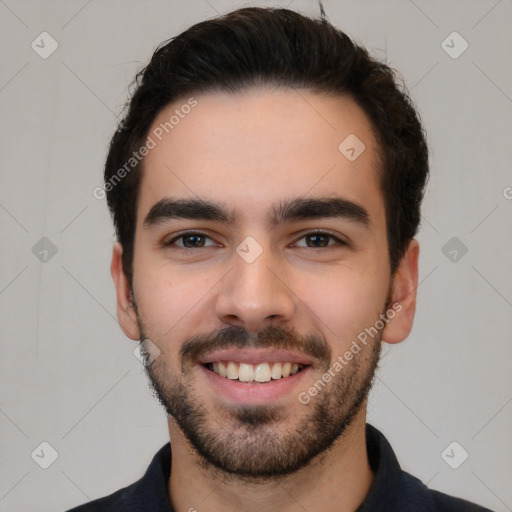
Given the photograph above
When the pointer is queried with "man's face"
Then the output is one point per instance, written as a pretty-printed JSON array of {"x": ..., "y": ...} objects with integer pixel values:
[{"x": 259, "y": 244}]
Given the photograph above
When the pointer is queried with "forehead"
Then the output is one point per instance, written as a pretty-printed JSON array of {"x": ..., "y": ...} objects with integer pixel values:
[{"x": 252, "y": 149}]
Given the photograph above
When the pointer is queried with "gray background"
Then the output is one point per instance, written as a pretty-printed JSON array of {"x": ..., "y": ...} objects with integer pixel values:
[{"x": 68, "y": 375}]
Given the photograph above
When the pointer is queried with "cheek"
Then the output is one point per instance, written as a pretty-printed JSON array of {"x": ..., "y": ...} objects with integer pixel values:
[
  {"x": 344, "y": 303},
  {"x": 169, "y": 298}
]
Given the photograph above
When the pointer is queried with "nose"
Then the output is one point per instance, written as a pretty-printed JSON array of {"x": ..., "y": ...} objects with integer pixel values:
[{"x": 255, "y": 295}]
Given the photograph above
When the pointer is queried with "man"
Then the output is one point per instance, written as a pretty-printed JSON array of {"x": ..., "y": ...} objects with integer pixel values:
[{"x": 265, "y": 186}]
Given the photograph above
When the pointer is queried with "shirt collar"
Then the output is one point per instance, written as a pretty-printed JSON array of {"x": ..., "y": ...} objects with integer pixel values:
[{"x": 391, "y": 488}]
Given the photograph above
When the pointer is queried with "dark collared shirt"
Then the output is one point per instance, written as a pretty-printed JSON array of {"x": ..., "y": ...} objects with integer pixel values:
[{"x": 392, "y": 489}]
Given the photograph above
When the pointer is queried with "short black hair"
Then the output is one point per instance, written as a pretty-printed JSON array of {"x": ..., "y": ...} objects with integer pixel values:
[{"x": 276, "y": 47}]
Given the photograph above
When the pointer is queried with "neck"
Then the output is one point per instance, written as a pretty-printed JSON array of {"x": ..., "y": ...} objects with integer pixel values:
[{"x": 337, "y": 480}]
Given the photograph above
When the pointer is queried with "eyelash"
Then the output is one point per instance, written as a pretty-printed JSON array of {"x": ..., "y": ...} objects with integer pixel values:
[{"x": 309, "y": 233}]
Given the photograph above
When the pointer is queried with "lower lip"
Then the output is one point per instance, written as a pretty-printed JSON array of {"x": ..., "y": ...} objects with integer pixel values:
[{"x": 254, "y": 392}]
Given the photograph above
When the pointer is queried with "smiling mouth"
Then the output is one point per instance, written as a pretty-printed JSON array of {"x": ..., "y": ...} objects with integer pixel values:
[{"x": 261, "y": 372}]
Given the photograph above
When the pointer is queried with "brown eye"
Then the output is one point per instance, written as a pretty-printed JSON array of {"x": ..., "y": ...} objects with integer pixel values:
[
  {"x": 319, "y": 240},
  {"x": 191, "y": 241}
]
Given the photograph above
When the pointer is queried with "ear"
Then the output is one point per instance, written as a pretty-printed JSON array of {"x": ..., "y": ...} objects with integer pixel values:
[
  {"x": 403, "y": 298},
  {"x": 125, "y": 310}
]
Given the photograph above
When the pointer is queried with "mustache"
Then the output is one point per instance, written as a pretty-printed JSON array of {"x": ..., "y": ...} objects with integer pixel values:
[{"x": 313, "y": 345}]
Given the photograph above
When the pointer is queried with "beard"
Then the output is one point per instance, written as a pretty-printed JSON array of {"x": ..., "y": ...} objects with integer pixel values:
[{"x": 250, "y": 442}]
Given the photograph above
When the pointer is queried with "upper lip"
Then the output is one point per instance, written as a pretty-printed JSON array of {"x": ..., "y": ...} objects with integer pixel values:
[{"x": 255, "y": 356}]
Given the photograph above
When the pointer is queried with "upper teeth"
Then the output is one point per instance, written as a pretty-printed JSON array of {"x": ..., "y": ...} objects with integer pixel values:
[{"x": 261, "y": 372}]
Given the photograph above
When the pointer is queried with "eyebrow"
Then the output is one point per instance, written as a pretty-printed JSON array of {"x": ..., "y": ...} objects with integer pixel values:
[{"x": 285, "y": 211}]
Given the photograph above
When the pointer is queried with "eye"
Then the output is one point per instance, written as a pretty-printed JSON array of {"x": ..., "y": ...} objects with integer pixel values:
[
  {"x": 319, "y": 240},
  {"x": 190, "y": 240}
]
